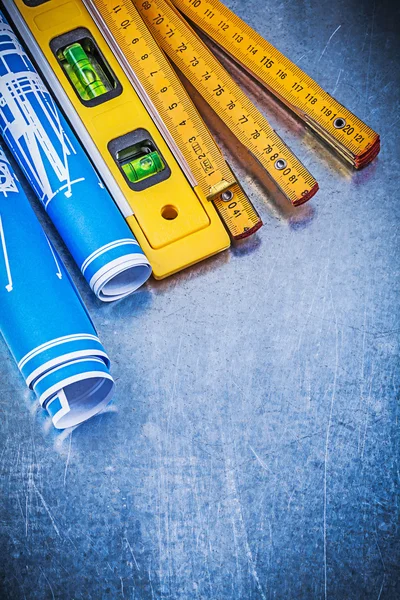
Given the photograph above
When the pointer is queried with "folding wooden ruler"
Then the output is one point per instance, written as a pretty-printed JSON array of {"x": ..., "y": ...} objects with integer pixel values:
[
  {"x": 341, "y": 129},
  {"x": 121, "y": 22}
]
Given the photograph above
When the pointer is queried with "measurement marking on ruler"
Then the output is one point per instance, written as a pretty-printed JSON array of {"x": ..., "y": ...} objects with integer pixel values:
[
  {"x": 354, "y": 140},
  {"x": 212, "y": 81}
]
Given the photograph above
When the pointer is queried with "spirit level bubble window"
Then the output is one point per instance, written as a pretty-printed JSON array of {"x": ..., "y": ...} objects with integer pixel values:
[
  {"x": 87, "y": 70},
  {"x": 140, "y": 161}
]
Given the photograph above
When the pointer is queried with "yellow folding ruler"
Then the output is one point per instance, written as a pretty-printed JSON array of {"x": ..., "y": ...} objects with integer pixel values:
[
  {"x": 151, "y": 74},
  {"x": 172, "y": 219},
  {"x": 341, "y": 129},
  {"x": 135, "y": 45}
]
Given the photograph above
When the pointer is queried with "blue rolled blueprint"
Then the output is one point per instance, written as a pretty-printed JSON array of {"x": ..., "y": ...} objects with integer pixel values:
[
  {"x": 64, "y": 179},
  {"x": 42, "y": 317}
]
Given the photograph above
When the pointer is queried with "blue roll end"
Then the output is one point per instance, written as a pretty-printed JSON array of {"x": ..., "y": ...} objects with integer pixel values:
[
  {"x": 117, "y": 270},
  {"x": 75, "y": 391}
]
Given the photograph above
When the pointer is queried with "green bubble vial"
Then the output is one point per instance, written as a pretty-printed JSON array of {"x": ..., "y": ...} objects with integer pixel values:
[
  {"x": 87, "y": 77},
  {"x": 143, "y": 167}
]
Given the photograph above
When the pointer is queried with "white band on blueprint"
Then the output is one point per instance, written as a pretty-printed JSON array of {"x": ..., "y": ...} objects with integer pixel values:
[
  {"x": 104, "y": 249},
  {"x": 69, "y": 380},
  {"x": 63, "y": 360},
  {"x": 55, "y": 342}
]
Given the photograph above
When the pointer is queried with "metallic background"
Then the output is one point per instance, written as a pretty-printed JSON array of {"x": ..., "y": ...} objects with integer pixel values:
[{"x": 251, "y": 451}]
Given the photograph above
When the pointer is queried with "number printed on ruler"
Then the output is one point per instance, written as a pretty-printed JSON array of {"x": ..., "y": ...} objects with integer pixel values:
[
  {"x": 284, "y": 78},
  {"x": 226, "y": 98},
  {"x": 168, "y": 95}
]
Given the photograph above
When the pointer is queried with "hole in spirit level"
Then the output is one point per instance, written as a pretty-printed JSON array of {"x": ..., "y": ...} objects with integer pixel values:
[
  {"x": 169, "y": 212},
  {"x": 86, "y": 68},
  {"x": 139, "y": 159}
]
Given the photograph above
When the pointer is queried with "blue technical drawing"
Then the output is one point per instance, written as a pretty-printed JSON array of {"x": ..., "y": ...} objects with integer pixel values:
[
  {"x": 64, "y": 179},
  {"x": 43, "y": 318}
]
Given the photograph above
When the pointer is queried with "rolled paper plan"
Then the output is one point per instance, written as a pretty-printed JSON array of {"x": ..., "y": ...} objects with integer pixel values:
[
  {"x": 64, "y": 179},
  {"x": 42, "y": 317}
]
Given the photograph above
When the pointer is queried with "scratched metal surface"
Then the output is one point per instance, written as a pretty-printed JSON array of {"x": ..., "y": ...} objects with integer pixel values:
[{"x": 252, "y": 448}]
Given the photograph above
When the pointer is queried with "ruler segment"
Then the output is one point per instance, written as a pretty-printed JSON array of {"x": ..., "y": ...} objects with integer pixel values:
[
  {"x": 234, "y": 207},
  {"x": 157, "y": 80},
  {"x": 340, "y": 128},
  {"x": 213, "y": 82}
]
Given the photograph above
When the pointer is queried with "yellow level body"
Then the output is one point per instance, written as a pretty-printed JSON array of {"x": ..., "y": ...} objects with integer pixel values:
[
  {"x": 174, "y": 223},
  {"x": 340, "y": 128}
]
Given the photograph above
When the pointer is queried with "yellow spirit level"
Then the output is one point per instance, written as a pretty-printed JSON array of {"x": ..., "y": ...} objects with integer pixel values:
[{"x": 165, "y": 207}]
